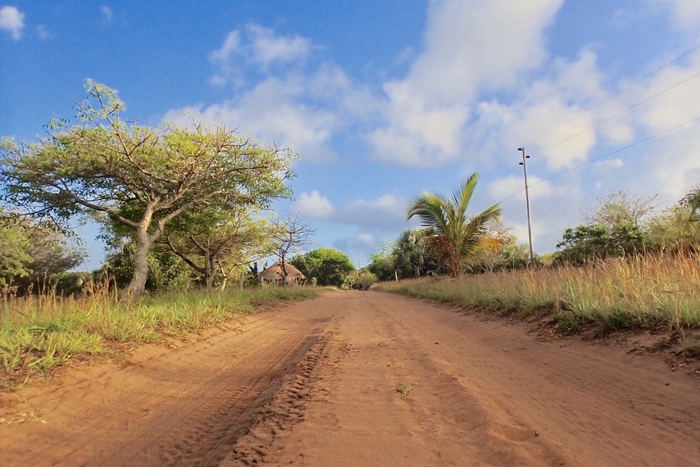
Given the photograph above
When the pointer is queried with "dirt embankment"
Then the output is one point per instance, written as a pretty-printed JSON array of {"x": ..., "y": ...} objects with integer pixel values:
[{"x": 315, "y": 384}]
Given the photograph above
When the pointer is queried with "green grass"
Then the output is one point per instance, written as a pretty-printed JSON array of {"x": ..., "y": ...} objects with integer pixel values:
[
  {"x": 39, "y": 333},
  {"x": 640, "y": 292},
  {"x": 403, "y": 389}
]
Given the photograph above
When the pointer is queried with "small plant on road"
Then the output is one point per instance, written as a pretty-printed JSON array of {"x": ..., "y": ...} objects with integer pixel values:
[{"x": 403, "y": 389}]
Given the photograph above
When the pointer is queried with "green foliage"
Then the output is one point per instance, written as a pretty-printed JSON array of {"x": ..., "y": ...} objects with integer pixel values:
[
  {"x": 414, "y": 255},
  {"x": 328, "y": 265},
  {"x": 166, "y": 271},
  {"x": 138, "y": 176},
  {"x": 615, "y": 228},
  {"x": 220, "y": 242},
  {"x": 691, "y": 202},
  {"x": 359, "y": 279},
  {"x": 678, "y": 227},
  {"x": 382, "y": 264},
  {"x": 34, "y": 255},
  {"x": 587, "y": 243},
  {"x": 458, "y": 235},
  {"x": 509, "y": 256},
  {"x": 14, "y": 258}
]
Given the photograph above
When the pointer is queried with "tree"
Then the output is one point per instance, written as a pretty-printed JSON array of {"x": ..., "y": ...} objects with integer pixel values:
[
  {"x": 595, "y": 242},
  {"x": 678, "y": 227},
  {"x": 615, "y": 227},
  {"x": 620, "y": 208},
  {"x": 691, "y": 202},
  {"x": 51, "y": 253},
  {"x": 218, "y": 242},
  {"x": 33, "y": 253},
  {"x": 382, "y": 264},
  {"x": 413, "y": 255},
  {"x": 139, "y": 177},
  {"x": 166, "y": 271},
  {"x": 328, "y": 265},
  {"x": 14, "y": 257},
  {"x": 458, "y": 236},
  {"x": 288, "y": 236}
]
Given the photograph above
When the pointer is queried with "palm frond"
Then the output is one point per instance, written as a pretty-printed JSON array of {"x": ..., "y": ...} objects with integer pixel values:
[{"x": 457, "y": 235}]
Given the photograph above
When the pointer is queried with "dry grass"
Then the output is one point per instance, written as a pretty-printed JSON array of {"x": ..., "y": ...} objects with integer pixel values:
[
  {"x": 647, "y": 292},
  {"x": 39, "y": 333}
]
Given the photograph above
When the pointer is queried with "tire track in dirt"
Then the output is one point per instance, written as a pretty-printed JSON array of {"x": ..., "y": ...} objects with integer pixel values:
[
  {"x": 281, "y": 414},
  {"x": 183, "y": 407},
  {"x": 485, "y": 393}
]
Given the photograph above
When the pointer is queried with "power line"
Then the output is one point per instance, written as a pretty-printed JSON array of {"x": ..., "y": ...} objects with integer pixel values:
[
  {"x": 616, "y": 94},
  {"x": 636, "y": 143},
  {"x": 624, "y": 111},
  {"x": 685, "y": 54}
]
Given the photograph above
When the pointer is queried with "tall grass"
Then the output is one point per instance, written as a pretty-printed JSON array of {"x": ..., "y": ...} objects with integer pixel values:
[
  {"x": 44, "y": 331},
  {"x": 642, "y": 291}
]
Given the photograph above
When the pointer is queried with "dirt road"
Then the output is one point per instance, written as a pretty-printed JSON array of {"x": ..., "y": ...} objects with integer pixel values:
[{"x": 314, "y": 384}]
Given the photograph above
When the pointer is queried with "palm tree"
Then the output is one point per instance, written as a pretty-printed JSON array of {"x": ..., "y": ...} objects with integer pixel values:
[{"x": 458, "y": 236}]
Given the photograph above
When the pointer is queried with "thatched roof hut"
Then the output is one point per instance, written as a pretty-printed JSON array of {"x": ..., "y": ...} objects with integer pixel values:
[{"x": 275, "y": 275}]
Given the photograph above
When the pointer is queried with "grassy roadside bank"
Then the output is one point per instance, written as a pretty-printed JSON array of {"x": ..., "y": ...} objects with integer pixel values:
[
  {"x": 643, "y": 292},
  {"x": 39, "y": 333}
]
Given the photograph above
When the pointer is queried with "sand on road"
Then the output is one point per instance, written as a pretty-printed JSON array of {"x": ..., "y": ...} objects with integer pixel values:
[{"x": 315, "y": 384}]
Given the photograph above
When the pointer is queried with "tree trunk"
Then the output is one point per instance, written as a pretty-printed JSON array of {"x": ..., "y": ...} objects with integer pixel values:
[
  {"x": 241, "y": 280},
  {"x": 209, "y": 277},
  {"x": 210, "y": 270},
  {"x": 144, "y": 242},
  {"x": 138, "y": 280}
]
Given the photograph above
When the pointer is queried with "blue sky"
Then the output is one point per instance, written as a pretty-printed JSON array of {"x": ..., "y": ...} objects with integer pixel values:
[{"x": 386, "y": 99}]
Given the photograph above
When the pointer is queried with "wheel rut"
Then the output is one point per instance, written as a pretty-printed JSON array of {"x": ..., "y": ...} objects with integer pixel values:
[{"x": 186, "y": 407}]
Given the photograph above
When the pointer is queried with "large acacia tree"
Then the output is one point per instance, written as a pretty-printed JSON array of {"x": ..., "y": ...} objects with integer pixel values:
[
  {"x": 138, "y": 176},
  {"x": 457, "y": 235}
]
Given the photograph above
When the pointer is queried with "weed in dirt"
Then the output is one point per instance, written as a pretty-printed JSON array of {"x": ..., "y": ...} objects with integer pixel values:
[
  {"x": 691, "y": 347},
  {"x": 568, "y": 324},
  {"x": 660, "y": 345},
  {"x": 403, "y": 389}
]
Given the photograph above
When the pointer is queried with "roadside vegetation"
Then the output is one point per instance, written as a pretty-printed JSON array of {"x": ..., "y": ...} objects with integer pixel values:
[
  {"x": 639, "y": 292},
  {"x": 42, "y": 331},
  {"x": 625, "y": 267}
]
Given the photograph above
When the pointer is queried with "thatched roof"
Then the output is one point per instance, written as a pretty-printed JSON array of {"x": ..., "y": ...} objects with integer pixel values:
[{"x": 275, "y": 272}]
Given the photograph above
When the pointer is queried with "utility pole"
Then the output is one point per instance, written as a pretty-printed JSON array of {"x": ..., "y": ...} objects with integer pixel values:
[{"x": 527, "y": 202}]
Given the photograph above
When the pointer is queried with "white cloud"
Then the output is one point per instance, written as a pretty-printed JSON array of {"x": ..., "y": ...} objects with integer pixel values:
[
  {"x": 551, "y": 116},
  {"x": 385, "y": 212},
  {"x": 610, "y": 164},
  {"x": 107, "y": 13},
  {"x": 43, "y": 33},
  {"x": 508, "y": 186},
  {"x": 273, "y": 113},
  {"x": 12, "y": 21},
  {"x": 359, "y": 247},
  {"x": 685, "y": 12},
  {"x": 293, "y": 107},
  {"x": 267, "y": 48},
  {"x": 261, "y": 47},
  {"x": 469, "y": 46},
  {"x": 314, "y": 206}
]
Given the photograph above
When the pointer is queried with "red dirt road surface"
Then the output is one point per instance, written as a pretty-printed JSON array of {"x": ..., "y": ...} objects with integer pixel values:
[{"x": 315, "y": 384}]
